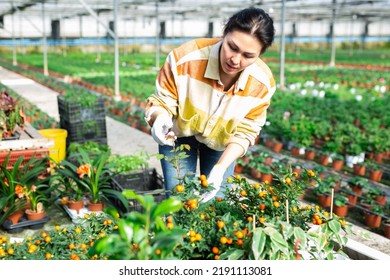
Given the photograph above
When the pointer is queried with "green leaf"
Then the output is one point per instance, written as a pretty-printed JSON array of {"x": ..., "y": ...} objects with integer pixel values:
[
  {"x": 258, "y": 242},
  {"x": 299, "y": 234},
  {"x": 232, "y": 254},
  {"x": 125, "y": 230},
  {"x": 334, "y": 226},
  {"x": 167, "y": 206}
]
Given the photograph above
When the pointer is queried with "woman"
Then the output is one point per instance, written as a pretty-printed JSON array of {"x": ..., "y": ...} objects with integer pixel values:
[{"x": 213, "y": 94}]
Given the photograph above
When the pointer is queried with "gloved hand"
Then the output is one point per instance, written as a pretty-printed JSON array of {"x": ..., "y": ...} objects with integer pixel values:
[
  {"x": 161, "y": 130},
  {"x": 214, "y": 179}
]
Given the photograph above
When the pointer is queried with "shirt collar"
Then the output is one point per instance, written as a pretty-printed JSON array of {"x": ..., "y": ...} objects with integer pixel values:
[{"x": 212, "y": 68}]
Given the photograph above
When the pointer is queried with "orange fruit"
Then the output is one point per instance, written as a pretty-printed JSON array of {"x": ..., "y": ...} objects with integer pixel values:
[
  {"x": 198, "y": 237},
  {"x": 221, "y": 224},
  {"x": 240, "y": 242},
  {"x": 249, "y": 219},
  {"x": 262, "y": 220},
  {"x": 204, "y": 183},
  {"x": 202, "y": 177},
  {"x": 243, "y": 193},
  {"x": 71, "y": 246},
  {"x": 239, "y": 234},
  {"x": 215, "y": 250},
  {"x": 262, "y": 206},
  {"x": 219, "y": 199},
  {"x": 158, "y": 252},
  {"x": 179, "y": 188},
  {"x": 276, "y": 204},
  {"x": 223, "y": 240}
]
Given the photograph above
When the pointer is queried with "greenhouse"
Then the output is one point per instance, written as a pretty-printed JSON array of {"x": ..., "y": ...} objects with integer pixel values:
[{"x": 204, "y": 130}]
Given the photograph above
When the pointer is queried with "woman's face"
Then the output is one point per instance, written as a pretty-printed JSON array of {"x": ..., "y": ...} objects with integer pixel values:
[{"x": 238, "y": 51}]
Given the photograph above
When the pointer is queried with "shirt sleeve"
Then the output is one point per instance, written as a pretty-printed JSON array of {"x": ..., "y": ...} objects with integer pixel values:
[{"x": 165, "y": 98}]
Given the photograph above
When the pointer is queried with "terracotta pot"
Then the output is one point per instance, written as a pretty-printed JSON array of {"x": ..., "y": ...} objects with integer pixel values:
[
  {"x": 310, "y": 154},
  {"x": 352, "y": 199},
  {"x": 238, "y": 168},
  {"x": 323, "y": 160},
  {"x": 76, "y": 205},
  {"x": 359, "y": 169},
  {"x": 324, "y": 200},
  {"x": 268, "y": 161},
  {"x": 372, "y": 220},
  {"x": 295, "y": 151},
  {"x": 386, "y": 229},
  {"x": 380, "y": 199},
  {"x": 379, "y": 157},
  {"x": 256, "y": 174},
  {"x": 337, "y": 164},
  {"x": 15, "y": 217},
  {"x": 341, "y": 211},
  {"x": 277, "y": 147},
  {"x": 266, "y": 178},
  {"x": 357, "y": 189},
  {"x": 33, "y": 216},
  {"x": 376, "y": 175},
  {"x": 95, "y": 207},
  {"x": 269, "y": 143}
]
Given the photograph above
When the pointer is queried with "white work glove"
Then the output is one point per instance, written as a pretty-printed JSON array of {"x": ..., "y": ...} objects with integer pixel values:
[
  {"x": 161, "y": 130},
  {"x": 214, "y": 179}
]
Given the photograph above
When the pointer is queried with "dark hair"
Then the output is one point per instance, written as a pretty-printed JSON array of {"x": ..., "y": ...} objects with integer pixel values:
[{"x": 253, "y": 21}]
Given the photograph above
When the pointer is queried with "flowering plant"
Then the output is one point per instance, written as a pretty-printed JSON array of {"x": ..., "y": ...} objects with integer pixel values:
[
  {"x": 37, "y": 197},
  {"x": 13, "y": 181},
  {"x": 94, "y": 177}
]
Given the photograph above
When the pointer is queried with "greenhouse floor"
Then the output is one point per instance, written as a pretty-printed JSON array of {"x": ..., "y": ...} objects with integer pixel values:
[{"x": 126, "y": 140}]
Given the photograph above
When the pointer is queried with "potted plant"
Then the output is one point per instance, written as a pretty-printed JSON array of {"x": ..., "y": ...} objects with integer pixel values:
[
  {"x": 13, "y": 181},
  {"x": 359, "y": 168},
  {"x": 358, "y": 184},
  {"x": 373, "y": 217},
  {"x": 375, "y": 171},
  {"x": 266, "y": 173},
  {"x": 377, "y": 194},
  {"x": 337, "y": 162},
  {"x": 323, "y": 191},
  {"x": 239, "y": 167},
  {"x": 11, "y": 116},
  {"x": 94, "y": 176},
  {"x": 39, "y": 198},
  {"x": 71, "y": 192},
  {"x": 340, "y": 205},
  {"x": 386, "y": 228}
]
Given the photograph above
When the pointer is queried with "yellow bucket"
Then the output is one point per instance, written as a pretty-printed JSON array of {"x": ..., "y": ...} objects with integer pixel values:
[{"x": 58, "y": 152}]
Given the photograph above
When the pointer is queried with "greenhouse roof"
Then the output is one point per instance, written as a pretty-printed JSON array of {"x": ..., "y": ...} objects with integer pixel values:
[{"x": 296, "y": 10}]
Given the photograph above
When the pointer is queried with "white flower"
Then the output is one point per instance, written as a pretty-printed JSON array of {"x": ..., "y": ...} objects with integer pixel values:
[
  {"x": 321, "y": 84},
  {"x": 267, "y": 123},
  {"x": 358, "y": 97},
  {"x": 321, "y": 94},
  {"x": 377, "y": 88},
  {"x": 383, "y": 89},
  {"x": 352, "y": 90},
  {"x": 314, "y": 92},
  {"x": 336, "y": 86},
  {"x": 303, "y": 92}
]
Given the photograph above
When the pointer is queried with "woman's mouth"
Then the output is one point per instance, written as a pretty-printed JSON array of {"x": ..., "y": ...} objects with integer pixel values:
[{"x": 230, "y": 68}]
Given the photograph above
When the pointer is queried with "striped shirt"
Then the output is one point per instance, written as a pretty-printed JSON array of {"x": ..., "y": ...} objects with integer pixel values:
[{"x": 189, "y": 89}]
